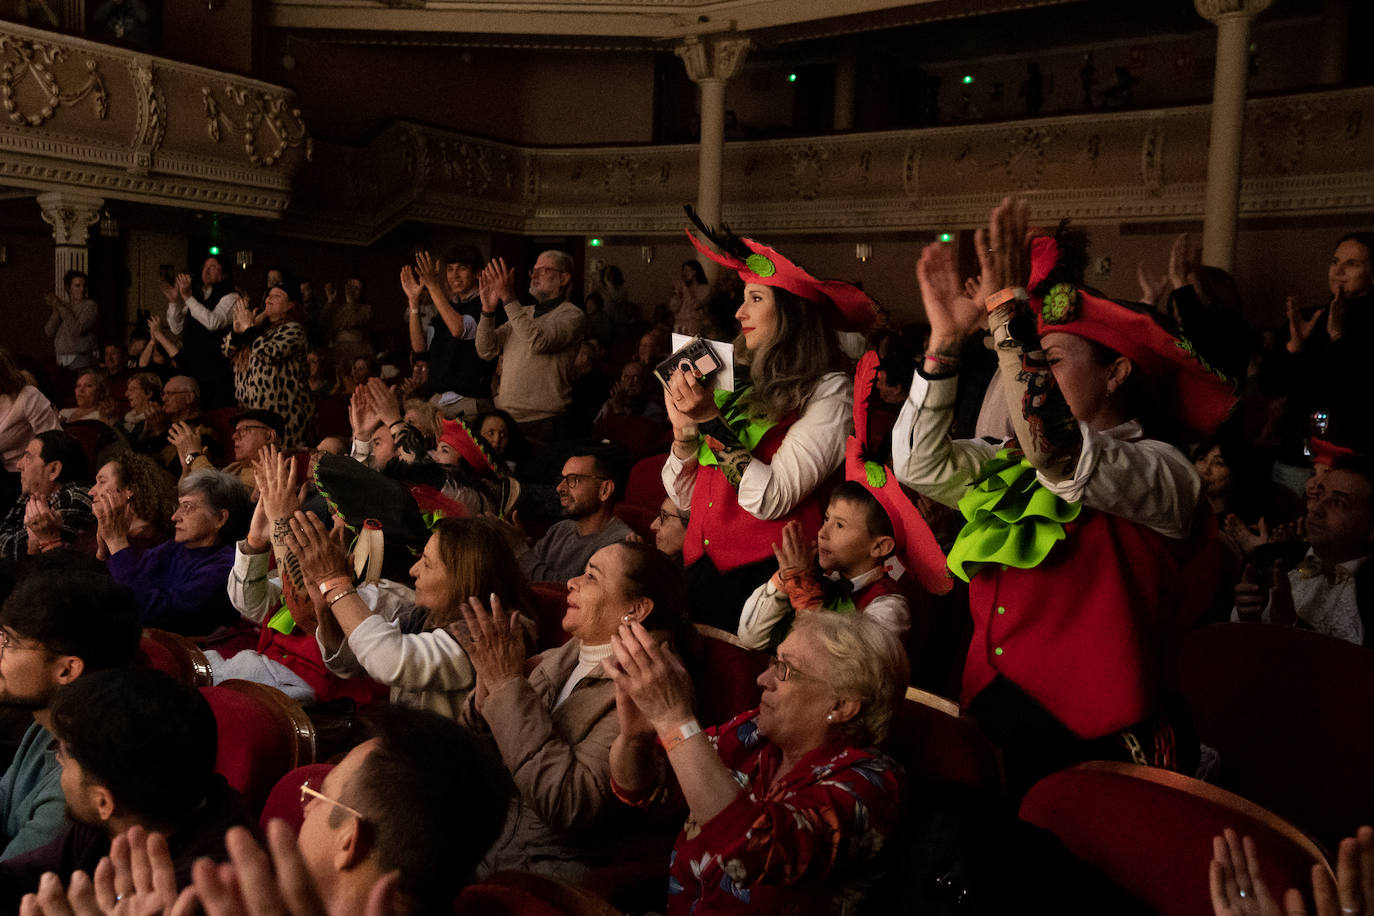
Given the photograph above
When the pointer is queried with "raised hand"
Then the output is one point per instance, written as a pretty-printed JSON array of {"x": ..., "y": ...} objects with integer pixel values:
[
  {"x": 952, "y": 315},
  {"x": 1183, "y": 260},
  {"x": 361, "y": 415},
  {"x": 383, "y": 399},
  {"x": 1299, "y": 328},
  {"x": 651, "y": 675},
  {"x": 410, "y": 286},
  {"x": 427, "y": 268},
  {"x": 183, "y": 285},
  {"x": 277, "y": 492},
  {"x": 1003, "y": 248},
  {"x": 243, "y": 315},
  {"x": 493, "y": 641},
  {"x": 794, "y": 553}
]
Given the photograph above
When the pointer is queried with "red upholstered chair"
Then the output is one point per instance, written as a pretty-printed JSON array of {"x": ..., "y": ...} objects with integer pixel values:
[
  {"x": 1150, "y": 831},
  {"x": 935, "y": 743},
  {"x": 645, "y": 486},
  {"x": 177, "y": 656},
  {"x": 730, "y": 682},
  {"x": 639, "y": 518},
  {"x": 518, "y": 893},
  {"x": 548, "y": 614},
  {"x": 221, "y": 420},
  {"x": 1291, "y": 713},
  {"x": 263, "y": 734},
  {"x": 635, "y": 436},
  {"x": 95, "y": 437},
  {"x": 284, "y": 801},
  {"x": 331, "y": 417}
]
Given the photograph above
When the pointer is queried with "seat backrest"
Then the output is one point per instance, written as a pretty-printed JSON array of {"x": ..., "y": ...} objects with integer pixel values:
[
  {"x": 94, "y": 437},
  {"x": 729, "y": 682},
  {"x": 636, "y": 436},
  {"x": 284, "y": 801},
  {"x": 1291, "y": 713},
  {"x": 645, "y": 485},
  {"x": 222, "y": 420},
  {"x": 176, "y": 655},
  {"x": 639, "y": 518},
  {"x": 331, "y": 417},
  {"x": 263, "y": 734},
  {"x": 934, "y": 743},
  {"x": 552, "y": 605},
  {"x": 1150, "y": 830},
  {"x": 518, "y": 893}
]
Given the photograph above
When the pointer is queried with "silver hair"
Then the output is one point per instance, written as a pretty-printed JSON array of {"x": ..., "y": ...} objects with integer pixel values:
[{"x": 867, "y": 663}]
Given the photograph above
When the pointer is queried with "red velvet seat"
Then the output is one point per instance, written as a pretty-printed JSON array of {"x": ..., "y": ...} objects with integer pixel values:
[
  {"x": 548, "y": 614},
  {"x": 645, "y": 485},
  {"x": 729, "y": 684},
  {"x": 331, "y": 418},
  {"x": 639, "y": 518},
  {"x": 95, "y": 437},
  {"x": 1291, "y": 713},
  {"x": 637, "y": 437},
  {"x": 263, "y": 734},
  {"x": 222, "y": 420},
  {"x": 176, "y": 655},
  {"x": 1150, "y": 830},
  {"x": 284, "y": 801},
  {"x": 933, "y": 742}
]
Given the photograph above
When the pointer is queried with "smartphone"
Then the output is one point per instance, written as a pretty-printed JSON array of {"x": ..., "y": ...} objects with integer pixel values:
[{"x": 694, "y": 358}]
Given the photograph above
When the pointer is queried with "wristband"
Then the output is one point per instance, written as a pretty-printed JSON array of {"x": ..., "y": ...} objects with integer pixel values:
[
  {"x": 190, "y": 456},
  {"x": 689, "y": 729},
  {"x": 327, "y": 585},
  {"x": 339, "y": 597},
  {"x": 45, "y": 546},
  {"x": 942, "y": 360},
  {"x": 1003, "y": 296}
]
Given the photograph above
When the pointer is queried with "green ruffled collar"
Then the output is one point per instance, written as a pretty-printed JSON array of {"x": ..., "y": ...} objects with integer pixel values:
[{"x": 1011, "y": 519}]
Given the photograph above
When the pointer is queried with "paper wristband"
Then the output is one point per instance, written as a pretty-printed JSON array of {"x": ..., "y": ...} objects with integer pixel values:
[
  {"x": 1003, "y": 296},
  {"x": 689, "y": 729}
]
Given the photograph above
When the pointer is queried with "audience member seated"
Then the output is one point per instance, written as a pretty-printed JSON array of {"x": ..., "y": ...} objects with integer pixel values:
[
  {"x": 179, "y": 584},
  {"x": 148, "y": 492},
  {"x": 93, "y": 401},
  {"x": 587, "y": 492},
  {"x": 1329, "y": 590},
  {"x": 114, "y": 359},
  {"x": 254, "y": 430},
  {"x": 670, "y": 528},
  {"x": 54, "y": 506},
  {"x": 135, "y": 749},
  {"x": 146, "y": 423},
  {"x": 321, "y": 374},
  {"x": 190, "y": 433},
  {"x": 385, "y": 831},
  {"x": 56, "y": 625},
  {"x": 502, "y": 435},
  {"x": 24, "y": 412},
  {"x": 554, "y": 728},
  {"x": 635, "y": 395},
  {"x": 788, "y": 804},
  {"x": 424, "y": 416},
  {"x": 407, "y": 644}
]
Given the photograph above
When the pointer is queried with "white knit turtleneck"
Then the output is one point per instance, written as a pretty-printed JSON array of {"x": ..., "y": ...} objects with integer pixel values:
[{"x": 588, "y": 657}]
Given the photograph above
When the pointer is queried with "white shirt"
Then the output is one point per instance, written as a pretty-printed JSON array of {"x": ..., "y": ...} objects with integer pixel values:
[
  {"x": 217, "y": 318},
  {"x": 1329, "y": 608},
  {"x": 588, "y": 657},
  {"x": 812, "y": 449},
  {"x": 769, "y": 605}
]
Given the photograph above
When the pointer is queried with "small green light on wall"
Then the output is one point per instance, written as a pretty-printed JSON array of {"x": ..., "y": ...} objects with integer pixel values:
[
  {"x": 595, "y": 243},
  {"x": 214, "y": 250},
  {"x": 968, "y": 80},
  {"x": 791, "y": 77},
  {"x": 946, "y": 236}
]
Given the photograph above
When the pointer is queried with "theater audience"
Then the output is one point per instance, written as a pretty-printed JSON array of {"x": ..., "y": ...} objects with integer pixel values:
[
  {"x": 254, "y": 430},
  {"x": 54, "y": 505},
  {"x": 147, "y": 492},
  {"x": 268, "y": 354},
  {"x": 503, "y": 437},
  {"x": 164, "y": 781},
  {"x": 57, "y": 624},
  {"x": 788, "y": 804},
  {"x": 146, "y": 423},
  {"x": 669, "y": 528},
  {"x": 72, "y": 323},
  {"x": 24, "y": 411},
  {"x": 554, "y": 727},
  {"x": 179, "y": 584},
  {"x": 93, "y": 401},
  {"x": 190, "y": 433}
]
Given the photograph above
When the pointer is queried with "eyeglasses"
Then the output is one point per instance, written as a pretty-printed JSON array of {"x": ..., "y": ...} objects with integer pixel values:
[
  {"x": 308, "y": 792},
  {"x": 7, "y": 641},
  {"x": 785, "y": 672},
  {"x": 245, "y": 430},
  {"x": 664, "y": 515},
  {"x": 168, "y": 392},
  {"x": 545, "y": 270},
  {"x": 575, "y": 480}
]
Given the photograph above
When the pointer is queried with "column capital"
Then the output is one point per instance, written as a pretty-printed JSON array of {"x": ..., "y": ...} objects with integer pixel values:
[
  {"x": 717, "y": 58},
  {"x": 70, "y": 215},
  {"x": 1216, "y": 10}
]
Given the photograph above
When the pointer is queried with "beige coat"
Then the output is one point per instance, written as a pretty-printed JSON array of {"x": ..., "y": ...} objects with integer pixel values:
[{"x": 560, "y": 760}]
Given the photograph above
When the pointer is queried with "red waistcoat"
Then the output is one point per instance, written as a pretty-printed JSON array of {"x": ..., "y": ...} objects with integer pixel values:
[
  {"x": 729, "y": 534},
  {"x": 1087, "y": 633}
]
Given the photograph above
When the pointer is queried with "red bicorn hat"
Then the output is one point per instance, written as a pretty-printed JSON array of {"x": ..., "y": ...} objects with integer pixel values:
[
  {"x": 1197, "y": 396},
  {"x": 853, "y": 309},
  {"x": 920, "y": 553},
  {"x": 1325, "y": 452},
  {"x": 458, "y": 436}
]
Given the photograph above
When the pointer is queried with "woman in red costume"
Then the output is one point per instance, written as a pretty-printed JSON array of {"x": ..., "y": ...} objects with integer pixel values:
[
  {"x": 1075, "y": 530},
  {"x": 746, "y": 462}
]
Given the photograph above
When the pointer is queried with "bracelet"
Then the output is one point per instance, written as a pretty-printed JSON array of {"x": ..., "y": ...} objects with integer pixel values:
[
  {"x": 1003, "y": 296},
  {"x": 330, "y": 583},
  {"x": 339, "y": 597},
  {"x": 943, "y": 360},
  {"x": 689, "y": 729},
  {"x": 45, "y": 546}
]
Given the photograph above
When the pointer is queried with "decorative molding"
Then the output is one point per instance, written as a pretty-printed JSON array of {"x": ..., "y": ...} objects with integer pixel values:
[
  {"x": 720, "y": 58},
  {"x": 258, "y": 111},
  {"x": 1216, "y": 10},
  {"x": 36, "y": 63},
  {"x": 151, "y": 128},
  {"x": 70, "y": 215}
]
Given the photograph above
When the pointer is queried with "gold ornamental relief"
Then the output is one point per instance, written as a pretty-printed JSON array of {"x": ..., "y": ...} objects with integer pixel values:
[
  {"x": 32, "y": 77},
  {"x": 266, "y": 123}
]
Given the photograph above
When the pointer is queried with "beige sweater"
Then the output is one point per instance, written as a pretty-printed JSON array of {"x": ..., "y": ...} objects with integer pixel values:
[{"x": 537, "y": 357}]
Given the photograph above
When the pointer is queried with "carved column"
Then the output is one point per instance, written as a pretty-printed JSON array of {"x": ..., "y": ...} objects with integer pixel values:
[
  {"x": 1232, "y": 19},
  {"x": 711, "y": 64},
  {"x": 70, "y": 214}
]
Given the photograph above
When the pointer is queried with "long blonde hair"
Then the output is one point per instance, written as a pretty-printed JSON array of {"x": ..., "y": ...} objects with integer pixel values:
[{"x": 785, "y": 370}]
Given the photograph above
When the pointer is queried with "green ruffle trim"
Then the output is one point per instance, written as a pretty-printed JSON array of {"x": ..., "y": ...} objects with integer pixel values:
[
  {"x": 734, "y": 411},
  {"x": 1012, "y": 519},
  {"x": 282, "y": 621}
]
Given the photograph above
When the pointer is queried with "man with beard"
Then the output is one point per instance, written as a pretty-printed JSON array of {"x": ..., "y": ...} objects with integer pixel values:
[
  {"x": 587, "y": 492},
  {"x": 57, "y": 624}
]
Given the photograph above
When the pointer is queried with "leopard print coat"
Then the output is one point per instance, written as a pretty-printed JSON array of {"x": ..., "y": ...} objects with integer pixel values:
[{"x": 270, "y": 373}]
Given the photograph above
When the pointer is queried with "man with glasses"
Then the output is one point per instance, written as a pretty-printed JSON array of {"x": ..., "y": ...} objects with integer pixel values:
[
  {"x": 59, "y": 623},
  {"x": 190, "y": 433},
  {"x": 253, "y": 430},
  {"x": 587, "y": 493},
  {"x": 537, "y": 343},
  {"x": 134, "y": 749}
]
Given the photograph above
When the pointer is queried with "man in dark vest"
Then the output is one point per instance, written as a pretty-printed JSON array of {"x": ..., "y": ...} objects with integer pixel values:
[{"x": 211, "y": 313}]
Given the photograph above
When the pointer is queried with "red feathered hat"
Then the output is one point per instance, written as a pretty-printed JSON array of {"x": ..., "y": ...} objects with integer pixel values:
[
  {"x": 458, "y": 436},
  {"x": 1196, "y": 395},
  {"x": 916, "y": 545},
  {"x": 853, "y": 309}
]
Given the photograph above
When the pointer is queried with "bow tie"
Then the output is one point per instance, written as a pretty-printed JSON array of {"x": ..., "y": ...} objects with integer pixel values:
[{"x": 1333, "y": 573}]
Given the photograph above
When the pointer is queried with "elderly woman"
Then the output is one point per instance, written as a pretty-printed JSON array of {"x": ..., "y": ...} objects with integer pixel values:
[
  {"x": 554, "y": 728},
  {"x": 179, "y": 584},
  {"x": 270, "y": 370},
  {"x": 146, "y": 423},
  {"x": 138, "y": 482},
  {"x": 788, "y": 803}
]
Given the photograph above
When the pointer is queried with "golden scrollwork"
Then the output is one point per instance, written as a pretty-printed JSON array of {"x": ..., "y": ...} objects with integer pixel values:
[
  {"x": 37, "y": 62},
  {"x": 259, "y": 112}
]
